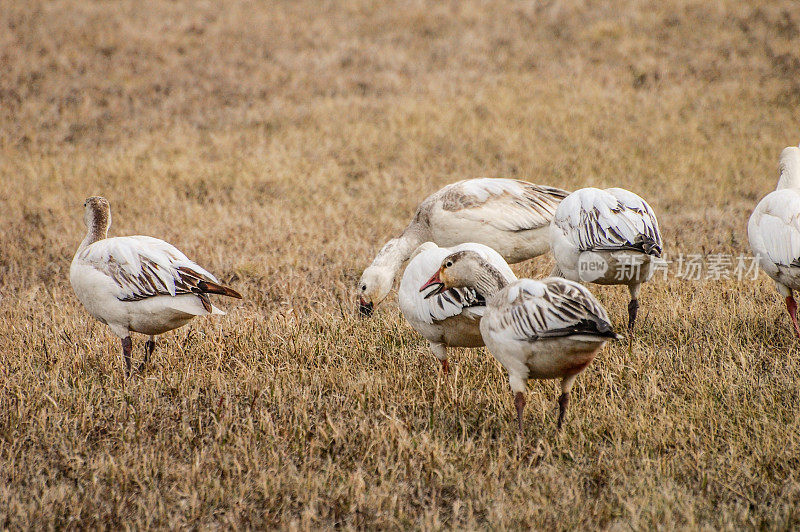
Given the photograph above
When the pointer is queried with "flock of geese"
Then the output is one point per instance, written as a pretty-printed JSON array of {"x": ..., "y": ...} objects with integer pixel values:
[{"x": 457, "y": 289}]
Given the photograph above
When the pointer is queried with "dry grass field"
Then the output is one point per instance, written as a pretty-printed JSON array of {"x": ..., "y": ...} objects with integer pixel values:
[{"x": 279, "y": 144}]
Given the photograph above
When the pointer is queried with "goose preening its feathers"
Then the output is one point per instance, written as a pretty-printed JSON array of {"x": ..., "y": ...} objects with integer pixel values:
[
  {"x": 606, "y": 236},
  {"x": 547, "y": 329},
  {"x": 774, "y": 231},
  {"x": 510, "y": 216},
  {"x": 450, "y": 318},
  {"x": 138, "y": 283}
]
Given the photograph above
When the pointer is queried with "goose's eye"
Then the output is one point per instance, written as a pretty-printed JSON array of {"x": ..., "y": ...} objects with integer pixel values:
[
  {"x": 363, "y": 288},
  {"x": 448, "y": 264}
]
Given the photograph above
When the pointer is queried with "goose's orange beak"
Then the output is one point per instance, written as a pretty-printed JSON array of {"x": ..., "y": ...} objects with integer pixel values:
[{"x": 435, "y": 281}]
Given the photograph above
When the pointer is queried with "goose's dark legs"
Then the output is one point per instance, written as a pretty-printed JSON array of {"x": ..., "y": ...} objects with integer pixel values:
[
  {"x": 563, "y": 404},
  {"x": 149, "y": 347},
  {"x": 519, "y": 402},
  {"x": 563, "y": 399},
  {"x": 127, "y": 347},
  {"x": 633, "y": 308}
]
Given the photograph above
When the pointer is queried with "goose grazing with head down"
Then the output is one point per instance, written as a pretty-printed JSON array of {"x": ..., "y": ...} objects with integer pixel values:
[
  {"x": 138, "y": 283},
  {"x": 548, "y": 329},
  {"x": 774, "y": 231},
  {"x": 450, "y": 318},
  {"x": 510, "y": 216},
  {"x": 606, "y": 236}
]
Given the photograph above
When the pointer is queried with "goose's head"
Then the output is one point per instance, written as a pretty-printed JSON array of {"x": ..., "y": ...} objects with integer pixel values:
[
  {"x": 459, "y": 269},
  {"x": 97, "y": 214},
  {"x": 373, "y": 287}
]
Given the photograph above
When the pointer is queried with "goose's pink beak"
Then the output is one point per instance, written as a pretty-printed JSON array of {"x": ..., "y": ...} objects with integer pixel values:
[
  {"x": 436, "y": 281},
  {"x": 364, "y": 308}
]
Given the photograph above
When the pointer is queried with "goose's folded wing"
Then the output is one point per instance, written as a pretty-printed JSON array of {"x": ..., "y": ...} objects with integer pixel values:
[
  {"x": 507, "y": 204},
  {"x": 775, "y": 228},
  {"x": 143, "y": 267},
  {"x": 612, "y": 219},
  {"x": 449, "y": 303},
  {"x": 550, "y": 308}
]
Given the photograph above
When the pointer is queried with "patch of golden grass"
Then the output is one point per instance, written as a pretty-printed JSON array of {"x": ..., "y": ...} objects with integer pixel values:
[{"x": 279, "y": 145}]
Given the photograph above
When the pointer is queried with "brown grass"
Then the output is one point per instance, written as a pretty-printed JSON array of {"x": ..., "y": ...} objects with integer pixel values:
[{"x": 279, "y": 144}]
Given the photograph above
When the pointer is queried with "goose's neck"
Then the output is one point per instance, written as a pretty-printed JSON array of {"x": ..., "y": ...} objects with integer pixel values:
[
  {"x": 790, "y": 169},
  {"x": 397, "y": 250},
  {"x": 488, "y": 281},
  {"x": 96, "y": 232}
]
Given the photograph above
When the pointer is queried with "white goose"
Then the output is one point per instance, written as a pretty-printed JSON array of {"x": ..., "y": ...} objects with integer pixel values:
[
  {"x": 774, "y": 231},
  {"x": 509, "y": 216},
  {"x": 607, "y": 237},
  {"x": 451, "y": 318},
  {"x": 138, "y": 283},
  {"x": 548, "y": 329}
]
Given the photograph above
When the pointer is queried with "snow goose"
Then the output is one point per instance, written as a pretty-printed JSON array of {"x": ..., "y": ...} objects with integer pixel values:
[
  {"x": 607, "y": 237},
  {"x": 509, "y": 216},
  {"x": 138, "y": 283},
  {"x": 547, "y": 329},
  {"x": 774, "y": 231},
  {"x": 451, "y": 318}
]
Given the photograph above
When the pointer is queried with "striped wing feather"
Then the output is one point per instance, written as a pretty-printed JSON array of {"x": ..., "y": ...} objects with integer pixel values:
[
  {"x": 144, "y": 267},
  {"x": 612, "y": 219},
  {"x": 550, "y": 308}
]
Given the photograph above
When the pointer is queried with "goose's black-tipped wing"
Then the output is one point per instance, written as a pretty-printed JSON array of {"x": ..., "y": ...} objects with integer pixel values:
[
  {"x": 143, "y": 267},
  {"x": 609, "y": 220},
  {"x": 550, "y": 308}
]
